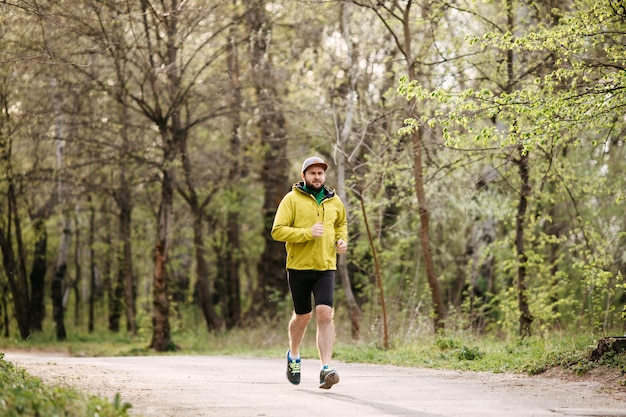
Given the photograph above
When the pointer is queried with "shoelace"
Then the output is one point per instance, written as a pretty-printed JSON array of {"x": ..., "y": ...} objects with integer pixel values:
[
  {"x": 294, "y": 367},
  {"x": 324, "y": 373}
]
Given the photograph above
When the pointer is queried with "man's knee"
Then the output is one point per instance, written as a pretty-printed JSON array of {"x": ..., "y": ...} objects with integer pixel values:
[
  {"x": 302, "y": 318},
  {"x": 324, "y": 314}
]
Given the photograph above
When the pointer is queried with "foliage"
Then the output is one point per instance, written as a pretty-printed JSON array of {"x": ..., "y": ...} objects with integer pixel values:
[
  {"x": 82, "y": 89},
  {"x": 555, "y": 112},
  {"x": 24, "y": 395}
]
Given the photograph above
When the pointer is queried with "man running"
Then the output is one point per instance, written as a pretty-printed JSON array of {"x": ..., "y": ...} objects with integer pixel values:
[{"x": 311, "y": 220}]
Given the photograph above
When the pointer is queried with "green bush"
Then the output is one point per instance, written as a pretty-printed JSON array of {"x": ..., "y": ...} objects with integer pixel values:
[
  {"x": 468, "y": 353},
  {"x": 24, "y": 395}
]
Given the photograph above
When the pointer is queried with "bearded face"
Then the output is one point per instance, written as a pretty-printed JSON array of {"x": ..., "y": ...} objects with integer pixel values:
[{"x": 314, "y": 177}]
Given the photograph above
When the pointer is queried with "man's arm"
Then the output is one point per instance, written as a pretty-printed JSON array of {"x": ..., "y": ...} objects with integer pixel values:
[
  {"x": 341, "y": 231},
  {"x": 283, "y": 230}
]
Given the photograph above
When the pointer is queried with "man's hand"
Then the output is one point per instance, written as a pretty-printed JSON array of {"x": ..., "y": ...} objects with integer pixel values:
[
  {"x": 317, "y": 229},
  {"x": 342, "y": 246}
]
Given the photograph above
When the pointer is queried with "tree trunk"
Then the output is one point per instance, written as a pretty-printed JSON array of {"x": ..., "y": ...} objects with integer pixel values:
[
  {"x": 424, "y": 231},
  {"x": 40, "y": 263},
  {"x": 526, "y": 317},
  {"x": 78, "y": 275},
  {"x": 275, "y": 167},
  {"x": 204, "y": 287},
  {"x": 124, "y": 197},
  {"x": 419, "y": 146},
  {"x": 173, "y": 136},
  {"x": 21, "y": 261},
  {"x": 161, "y": 337},
  {"x": 116, "y": 293},
  {"x": 522, "y": 163},
  {"x": 38, "y": 275},
  {"x": 57, "y": 288},
  {"x": 112, "y": 285},
  {"x": 4, "y": 309},
  {"x": 14, "y": 263},
  {"x": 377, "y": 268},
  {"x": 235, "y": 174},
  {"x": 481, "y": 273},
  {"x": 233, "y": 286},
  {"x": 14, "y": 271},
  {"x": 354, "y": 312},
  {"x": 126, "y": 281},
  {"x": 57, "y": 285},
  {"x": 92, "y": 267},
  {"x": 353, "y": 308}
]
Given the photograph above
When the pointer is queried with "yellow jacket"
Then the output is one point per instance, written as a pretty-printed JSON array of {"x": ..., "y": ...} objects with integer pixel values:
[{"x": 297, "y": 213}]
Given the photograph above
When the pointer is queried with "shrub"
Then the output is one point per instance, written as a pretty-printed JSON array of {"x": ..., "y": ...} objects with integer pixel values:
[{"x": 24, "y": 395}]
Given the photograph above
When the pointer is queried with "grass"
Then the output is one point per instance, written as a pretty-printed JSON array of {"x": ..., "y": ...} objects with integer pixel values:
[
  {"x": 455, "y": 350},
  {"x": 24, "y": 395},
  {"x": 482, "y": 354}
]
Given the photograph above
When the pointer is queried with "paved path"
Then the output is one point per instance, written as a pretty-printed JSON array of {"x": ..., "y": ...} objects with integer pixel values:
[{"x": 185, "y": 386}]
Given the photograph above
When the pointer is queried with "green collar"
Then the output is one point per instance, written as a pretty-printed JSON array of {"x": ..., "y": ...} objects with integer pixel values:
[{"x": 319, "y": 195}]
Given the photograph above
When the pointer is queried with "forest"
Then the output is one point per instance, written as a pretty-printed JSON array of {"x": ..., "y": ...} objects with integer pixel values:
[{"x": 478, "y": 145}]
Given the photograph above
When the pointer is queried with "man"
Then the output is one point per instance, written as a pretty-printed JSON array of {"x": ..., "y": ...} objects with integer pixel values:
[{"x": 311, "y": 220}]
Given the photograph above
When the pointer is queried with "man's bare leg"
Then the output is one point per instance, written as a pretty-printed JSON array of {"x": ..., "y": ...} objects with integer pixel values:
[
  {"x": 325, "y": 333},
  {"x": 325, "y": 342},
  {"x": 297, "y": 327}
]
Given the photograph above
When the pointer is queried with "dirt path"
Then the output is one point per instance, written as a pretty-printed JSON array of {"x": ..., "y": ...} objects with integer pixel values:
[{"x": 186, "y": 386}]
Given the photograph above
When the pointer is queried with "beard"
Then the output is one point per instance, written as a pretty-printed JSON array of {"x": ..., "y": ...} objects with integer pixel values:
[{"x": 313, "y": 187}]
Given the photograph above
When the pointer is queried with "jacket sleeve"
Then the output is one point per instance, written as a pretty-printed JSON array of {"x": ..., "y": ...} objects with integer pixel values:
[
  {"x": 282, "y": 229},
  {"x": 341, "y": 224}
]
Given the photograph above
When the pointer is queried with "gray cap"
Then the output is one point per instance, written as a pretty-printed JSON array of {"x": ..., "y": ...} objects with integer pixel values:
[{"x": 314, "y": 160}]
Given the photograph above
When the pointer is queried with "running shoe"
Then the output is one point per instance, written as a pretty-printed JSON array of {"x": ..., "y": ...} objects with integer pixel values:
[
  {"x": 328, "y": 377},
  {"x": 293, "y": 370}
]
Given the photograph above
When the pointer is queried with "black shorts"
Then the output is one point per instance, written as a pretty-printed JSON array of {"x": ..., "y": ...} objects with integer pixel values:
[{"x": 304, "y": 283}]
